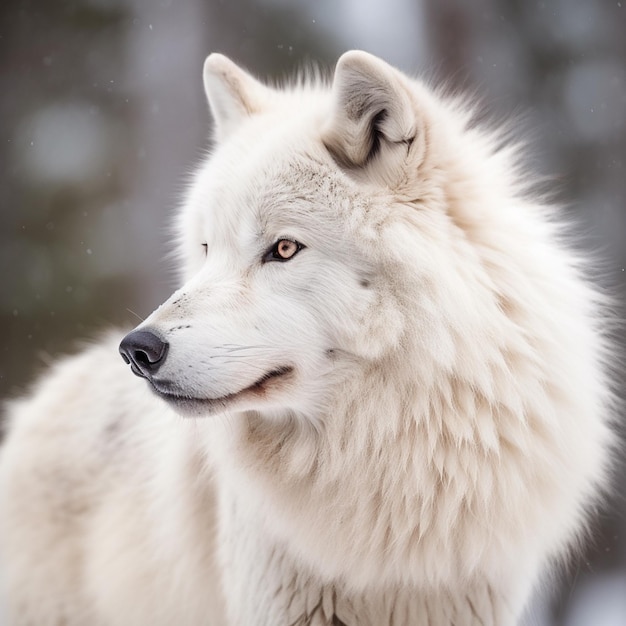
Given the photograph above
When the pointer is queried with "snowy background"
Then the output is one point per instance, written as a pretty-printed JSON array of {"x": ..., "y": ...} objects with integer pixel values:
[{"x": 102, "y": 115}]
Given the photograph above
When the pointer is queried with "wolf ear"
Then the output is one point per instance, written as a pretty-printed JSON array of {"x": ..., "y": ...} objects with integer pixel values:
[
  {"x": 232, "y": 93},
  {"x": 372, "y": 107}
]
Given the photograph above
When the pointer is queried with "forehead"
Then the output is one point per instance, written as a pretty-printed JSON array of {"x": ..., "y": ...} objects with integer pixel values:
[{"x": 262, "y": 182}]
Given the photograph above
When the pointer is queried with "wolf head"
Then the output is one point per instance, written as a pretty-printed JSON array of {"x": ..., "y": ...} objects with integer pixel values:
[
  {"x": 291, "y": 262},
  {"x": 332, "y": 227}
]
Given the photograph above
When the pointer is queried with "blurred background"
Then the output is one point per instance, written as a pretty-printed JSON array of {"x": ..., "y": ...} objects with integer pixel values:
[{"x": 102, "y": 116}]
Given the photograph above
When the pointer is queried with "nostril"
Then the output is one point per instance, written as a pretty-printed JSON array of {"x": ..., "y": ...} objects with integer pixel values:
[
  {"x": 144, "y": 351},
  {"x": 143, "y": 358}
]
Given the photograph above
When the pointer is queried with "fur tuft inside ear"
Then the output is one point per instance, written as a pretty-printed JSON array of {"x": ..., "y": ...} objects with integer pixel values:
[
  {"x": 371, "y": 105},
  {"x": 232, "y": 93}
]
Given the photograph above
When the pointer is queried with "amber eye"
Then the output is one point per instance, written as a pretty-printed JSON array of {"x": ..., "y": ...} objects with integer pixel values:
[{"x": 283, "y": 250}]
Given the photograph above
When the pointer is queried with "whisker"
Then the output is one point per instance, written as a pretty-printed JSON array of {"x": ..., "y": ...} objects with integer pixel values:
[
  {"x": 238, "y": 348},
  {"x": 141, "y": 319},
  {"x": 252, "y": 366}
]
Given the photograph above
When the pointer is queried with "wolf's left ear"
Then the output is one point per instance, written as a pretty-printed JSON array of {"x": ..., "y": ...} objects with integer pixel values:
[
  {"x": 232, "y": 93},
  {"x": 372, "y": 107}
]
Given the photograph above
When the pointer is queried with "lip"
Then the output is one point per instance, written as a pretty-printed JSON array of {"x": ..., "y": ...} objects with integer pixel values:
[{"x": 191, "y": 405}]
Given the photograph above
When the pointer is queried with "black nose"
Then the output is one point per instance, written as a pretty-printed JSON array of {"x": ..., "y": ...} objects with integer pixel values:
[{"x": 145, "y": 352}]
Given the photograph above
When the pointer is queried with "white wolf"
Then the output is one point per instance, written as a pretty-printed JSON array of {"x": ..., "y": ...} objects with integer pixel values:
[{"x": 405, "y": 367}]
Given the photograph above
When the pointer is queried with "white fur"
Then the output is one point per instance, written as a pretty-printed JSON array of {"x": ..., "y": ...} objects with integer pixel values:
[{"x": 442, "y": 434}]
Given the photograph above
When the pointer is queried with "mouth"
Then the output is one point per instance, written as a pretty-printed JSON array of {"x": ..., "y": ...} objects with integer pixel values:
[{"x": 191, "y": 405}]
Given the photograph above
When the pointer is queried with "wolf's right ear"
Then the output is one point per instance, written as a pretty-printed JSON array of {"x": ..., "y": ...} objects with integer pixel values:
[
  {"x": 372, "y": 109},
  {"x": 232, "y": 93}
]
